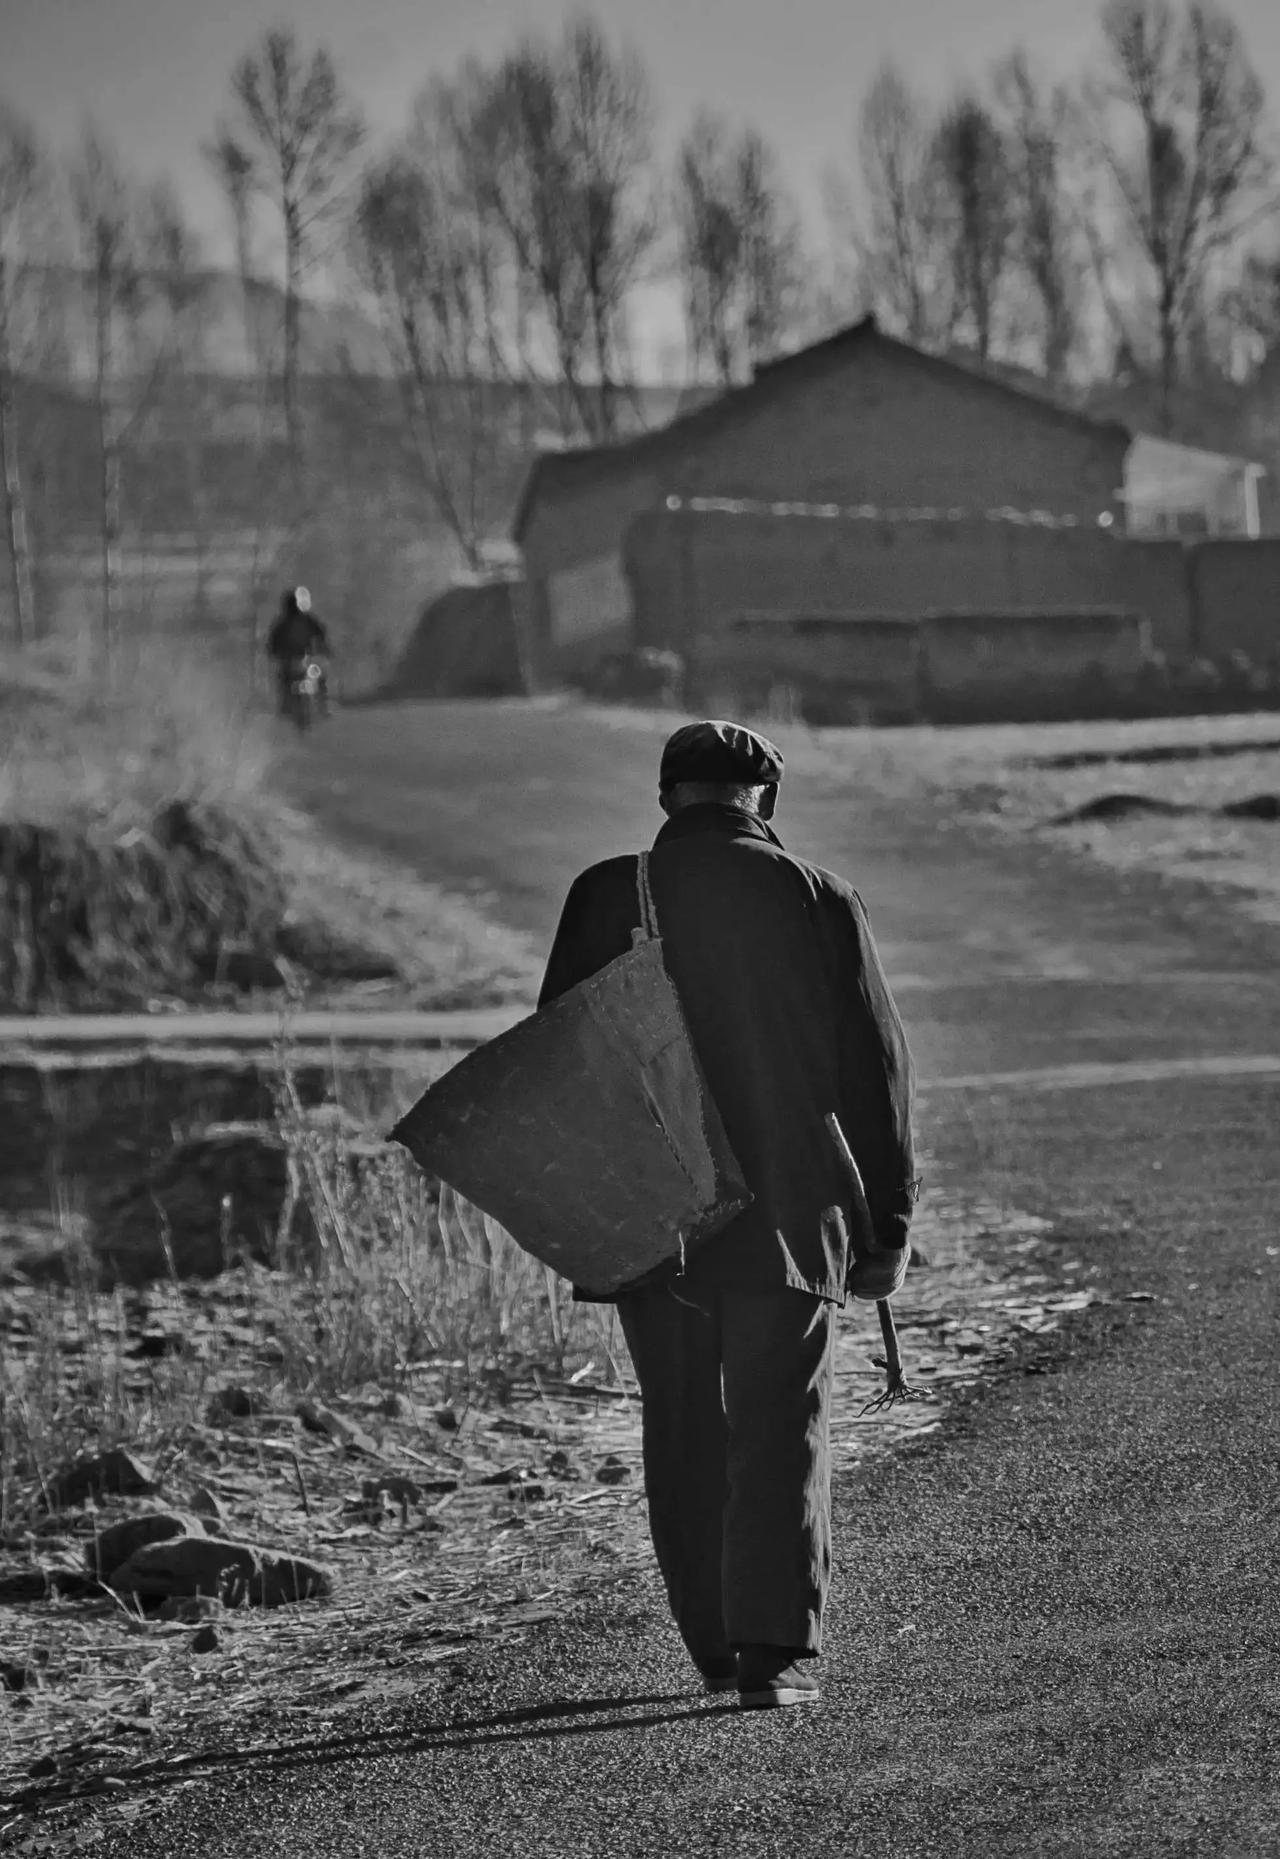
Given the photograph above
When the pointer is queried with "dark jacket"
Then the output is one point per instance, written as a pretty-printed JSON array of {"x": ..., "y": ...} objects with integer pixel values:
[
  {"x": 295, "y": 635},
  {"x": 791, "y": 1017}
]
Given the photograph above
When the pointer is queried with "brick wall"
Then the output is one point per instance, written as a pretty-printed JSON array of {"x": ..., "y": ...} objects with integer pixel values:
[
  {"x": 1235, "y": 598},
  {"x": 691, "y": 570},
  {"x": 976, "y": 660},
  {"x": 567, "y": 531},
  {"x": 848, "y": 667},
  {"x": 879, "y": 426},
  {"x": 1153, "y": 579},
  {"x": 568, "y": 526},
  {"x": 946, "y": 667}
]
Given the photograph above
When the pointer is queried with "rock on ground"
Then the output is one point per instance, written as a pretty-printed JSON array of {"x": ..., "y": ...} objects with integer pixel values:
[
  {"x": 237, "y": 1573},
  {"x": 111, "y": 1548},
  {"x": 116, "y": 1473}
]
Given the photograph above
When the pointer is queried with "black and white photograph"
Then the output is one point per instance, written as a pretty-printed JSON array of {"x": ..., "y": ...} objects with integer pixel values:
[{"x": 640, "y": 929}]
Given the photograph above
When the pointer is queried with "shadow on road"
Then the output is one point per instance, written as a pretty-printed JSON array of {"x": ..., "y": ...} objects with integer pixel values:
[{"x": 579, "y": 1717}]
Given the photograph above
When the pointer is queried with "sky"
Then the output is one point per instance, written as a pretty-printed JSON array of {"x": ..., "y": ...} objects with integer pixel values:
[{"x": 153, "y": 73}]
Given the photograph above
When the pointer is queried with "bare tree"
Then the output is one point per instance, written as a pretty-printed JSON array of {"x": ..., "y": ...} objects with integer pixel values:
[
  {"x": 517, "y": 149},
  {"x": 1037, "y": 140},
  {"x": 233, "y": 169},
  {"x": 1178, "y": 126},
  {"x": 1253, "y": 305},
  {"x": 900, "y": 239},
  {"x": 970, "y": 155},
  {"x": 427, "y": 255},
  {"x": 739, "y": 247},
  {"x": 138, "y": 268},
  {"x": 173, "y": 358},
  {"x": 171, "y": 258},
  {"x": 302, "y": 135},
  {"x": 710, "y": 245},
  {"x": 609, "y": 119},
  {"x": 22, "y": 175},
  {"x": 561, "y": 140},
  {"x": 106, "y": 236}
]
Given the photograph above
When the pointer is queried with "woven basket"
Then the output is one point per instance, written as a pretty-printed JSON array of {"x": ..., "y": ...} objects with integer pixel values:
[{"x": 587, "y": 1130}]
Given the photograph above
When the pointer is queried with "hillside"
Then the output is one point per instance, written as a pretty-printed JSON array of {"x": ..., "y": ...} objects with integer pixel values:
[
  {"x": 225, "y": 337},
  {"x": 205, "y": 442},
  {"x": 210, "y": 516},
  {"x": 221, "y": 330}
]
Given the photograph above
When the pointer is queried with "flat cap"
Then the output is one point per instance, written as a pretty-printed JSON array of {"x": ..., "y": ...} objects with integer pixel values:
[{"x": 720, "y": 751}]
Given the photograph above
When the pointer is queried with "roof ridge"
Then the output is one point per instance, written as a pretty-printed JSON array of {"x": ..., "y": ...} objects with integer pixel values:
[{"x": 766, "y": 378}]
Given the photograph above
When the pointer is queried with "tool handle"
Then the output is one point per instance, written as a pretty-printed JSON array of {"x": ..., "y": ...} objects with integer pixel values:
[
  {"x": 897, "y": 1388},
  {"x": 864, "y": 1237}
]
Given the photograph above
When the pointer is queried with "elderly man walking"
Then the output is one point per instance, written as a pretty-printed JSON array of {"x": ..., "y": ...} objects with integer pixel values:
[{"x": 791, "y": 1018}]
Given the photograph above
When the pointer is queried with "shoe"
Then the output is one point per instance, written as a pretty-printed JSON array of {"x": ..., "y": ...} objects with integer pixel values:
[
  {"x": 720, "y": 1674},
  {"x": 773, "y": 1677}
]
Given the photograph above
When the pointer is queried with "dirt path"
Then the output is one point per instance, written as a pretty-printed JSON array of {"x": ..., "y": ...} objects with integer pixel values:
[
  {"x": 1055, "y": 1626},
  {"x": 508, "y": 802}
]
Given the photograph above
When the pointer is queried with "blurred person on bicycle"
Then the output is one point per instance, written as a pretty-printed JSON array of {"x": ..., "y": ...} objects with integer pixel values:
[{"x": 297, "y": 635}]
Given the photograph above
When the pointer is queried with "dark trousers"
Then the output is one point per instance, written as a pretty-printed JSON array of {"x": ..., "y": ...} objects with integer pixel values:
[{"x": 736, "y": 1394}]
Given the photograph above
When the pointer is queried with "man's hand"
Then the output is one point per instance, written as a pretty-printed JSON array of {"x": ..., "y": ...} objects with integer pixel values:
[
  {"x": 877, "y": 1266},
  {"x": 873, "y": 1276}
]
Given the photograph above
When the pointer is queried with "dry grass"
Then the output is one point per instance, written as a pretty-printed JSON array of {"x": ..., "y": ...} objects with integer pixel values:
[
  {"x": 417, "y": 1331},
  {"x": 399, "y": 1279},
  {"x": 171, "y": 726},
  {"x": 448, "y": 1356}
]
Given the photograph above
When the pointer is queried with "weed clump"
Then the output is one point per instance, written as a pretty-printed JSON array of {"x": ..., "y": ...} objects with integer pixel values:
[
  {"x": 135, "y": 849},
  {"x": 96, "y": 914}
]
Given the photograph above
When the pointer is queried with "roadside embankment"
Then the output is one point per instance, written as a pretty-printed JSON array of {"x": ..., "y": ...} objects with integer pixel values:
[{"x": 147, "y": 859}]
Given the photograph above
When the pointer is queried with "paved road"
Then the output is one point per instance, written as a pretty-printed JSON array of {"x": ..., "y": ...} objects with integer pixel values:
[{"x": 1055, "y": 1625}]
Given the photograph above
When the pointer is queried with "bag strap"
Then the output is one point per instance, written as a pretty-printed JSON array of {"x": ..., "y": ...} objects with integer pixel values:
[{"x": 648, "y": 930}]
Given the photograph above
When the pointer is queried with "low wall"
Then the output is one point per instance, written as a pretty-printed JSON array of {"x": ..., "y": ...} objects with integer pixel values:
[
  {"x": 839, "y": 667},
  {"x": 1038, "y": 663},
  {"x": 464, "y": 645},
  {"x": 1235, "y": 598},
  {"x": 587, "y": 603},
  {"x": 765, "y": 593},
  {"x": 1154, "y": 581},
  {"x": 947, "y": 666},
  {"x": 690, "y": 570}
]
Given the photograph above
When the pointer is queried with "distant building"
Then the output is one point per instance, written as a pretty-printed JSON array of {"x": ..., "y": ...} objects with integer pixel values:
[
  {"x": 859, "y": 420},
  {"x": 870, "y": 529},
  {"x": 1172, "y": 489}
]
